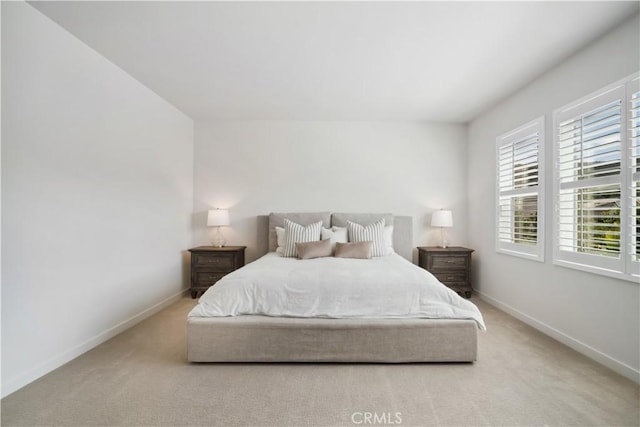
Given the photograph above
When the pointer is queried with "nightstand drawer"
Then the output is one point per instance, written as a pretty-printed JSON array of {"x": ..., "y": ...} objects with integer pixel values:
[
  {"x": 445, "y": 262},
  {"x": 207, "y": 279},
  {"x": 451, "y": 277},
  {"x": 219, "y": 262}
]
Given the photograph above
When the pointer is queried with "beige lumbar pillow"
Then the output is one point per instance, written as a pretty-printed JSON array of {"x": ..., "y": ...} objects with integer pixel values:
[
  {"x": 319, "y": 249},
  {"x": 360, "y": 250}
]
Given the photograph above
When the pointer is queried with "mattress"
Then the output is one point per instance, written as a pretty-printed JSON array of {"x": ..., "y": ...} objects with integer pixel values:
[{"x": 384, "y": 288}]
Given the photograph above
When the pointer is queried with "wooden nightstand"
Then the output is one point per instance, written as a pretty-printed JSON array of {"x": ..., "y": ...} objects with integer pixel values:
[
  {"x": 452, "y": 266},
  {"x": 209, "y": 264}
]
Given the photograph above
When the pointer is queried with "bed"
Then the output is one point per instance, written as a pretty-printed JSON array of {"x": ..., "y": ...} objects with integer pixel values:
[{"x": 248, "y": 316}]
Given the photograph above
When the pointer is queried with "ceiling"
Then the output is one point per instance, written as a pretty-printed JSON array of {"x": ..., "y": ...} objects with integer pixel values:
[{"x": 436, "y": 61}]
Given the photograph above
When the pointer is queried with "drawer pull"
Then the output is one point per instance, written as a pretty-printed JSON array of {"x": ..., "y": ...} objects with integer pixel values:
[
  {"x": 450, "y": 277},
  {"x": 450, "y": 262}
]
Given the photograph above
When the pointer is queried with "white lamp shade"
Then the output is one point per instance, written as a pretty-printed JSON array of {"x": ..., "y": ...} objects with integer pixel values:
[
  {"x": 442, "y": 218},
  {"x": 218, "y": 217}
]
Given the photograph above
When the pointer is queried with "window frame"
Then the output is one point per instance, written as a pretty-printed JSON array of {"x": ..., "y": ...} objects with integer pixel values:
[
  {"x": 622, "y": 267},
  {"x": 534, "y": 252},
  {"x": 632, "y": 266}
]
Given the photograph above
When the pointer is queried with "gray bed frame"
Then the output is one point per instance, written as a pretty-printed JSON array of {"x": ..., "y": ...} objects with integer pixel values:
[{"x": 271, "y": 339}]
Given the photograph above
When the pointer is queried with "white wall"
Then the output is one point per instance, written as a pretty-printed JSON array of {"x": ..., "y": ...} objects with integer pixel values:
[
  {"x": 96, "y": 197},
  {"x": 257, "y": 167},
  {"x": 596, "y": 315}
]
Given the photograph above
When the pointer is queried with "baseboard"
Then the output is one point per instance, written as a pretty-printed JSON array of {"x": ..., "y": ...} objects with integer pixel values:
[
  {"x": 600, "y": 357},
  {"x": 44, "y": 368}
]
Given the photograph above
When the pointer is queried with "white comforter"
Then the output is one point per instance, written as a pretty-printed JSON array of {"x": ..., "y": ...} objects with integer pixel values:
[{"x": 384, "y": 287}]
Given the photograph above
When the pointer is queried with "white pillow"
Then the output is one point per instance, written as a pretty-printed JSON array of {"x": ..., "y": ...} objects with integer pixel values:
[
  {"x": 280, "y": 239},
  {"x": 296, "y": 233},
  {"x": 388, "y": 240},
  {"x": 371, "y": 233},
  {"x": 335, "y": 234}
]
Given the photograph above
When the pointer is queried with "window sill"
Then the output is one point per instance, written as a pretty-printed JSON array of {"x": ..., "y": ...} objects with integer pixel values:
[
  {"x": 599, "y": 271},
  {"x": 532, "y": 257}
]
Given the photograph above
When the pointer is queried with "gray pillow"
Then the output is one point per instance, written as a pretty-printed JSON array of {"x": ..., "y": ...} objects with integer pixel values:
[
  {"x": 361, "y": 250},
  {"x": 318, "y": 249}
]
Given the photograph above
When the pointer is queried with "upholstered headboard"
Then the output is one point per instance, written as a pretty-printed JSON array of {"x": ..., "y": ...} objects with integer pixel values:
[{"x": 402, "y": 227}]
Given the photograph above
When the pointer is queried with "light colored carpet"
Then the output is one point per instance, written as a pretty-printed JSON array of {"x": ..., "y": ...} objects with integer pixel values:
[{"x": 141, "y": 377}]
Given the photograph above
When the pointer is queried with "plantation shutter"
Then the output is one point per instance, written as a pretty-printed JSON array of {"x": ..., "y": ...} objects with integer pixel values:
[
  {"x": 518, "y": 198},
  {"x": 633, "y": 92},
  {"x": 589, "y": 146}
]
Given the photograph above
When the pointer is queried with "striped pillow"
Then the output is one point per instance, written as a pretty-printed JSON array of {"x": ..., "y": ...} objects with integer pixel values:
[
  {"x": 296, "y": 233},
  {"x": 371, "y": 233}
]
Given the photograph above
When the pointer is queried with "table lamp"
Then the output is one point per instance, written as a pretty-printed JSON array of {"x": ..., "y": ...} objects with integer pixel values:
[
  {"x": 443, "y": 219},
  {"x": 218, "y": 218}
]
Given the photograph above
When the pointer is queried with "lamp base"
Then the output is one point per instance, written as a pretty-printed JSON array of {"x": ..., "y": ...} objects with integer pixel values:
[
  {"x": 444, "y": 243},
  {"x": 218, "y": 239}
]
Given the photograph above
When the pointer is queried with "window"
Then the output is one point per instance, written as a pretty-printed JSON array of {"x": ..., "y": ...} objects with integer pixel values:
[
  {"x": 520, "y": 199},
  {"x": 596, "y": 147}
]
